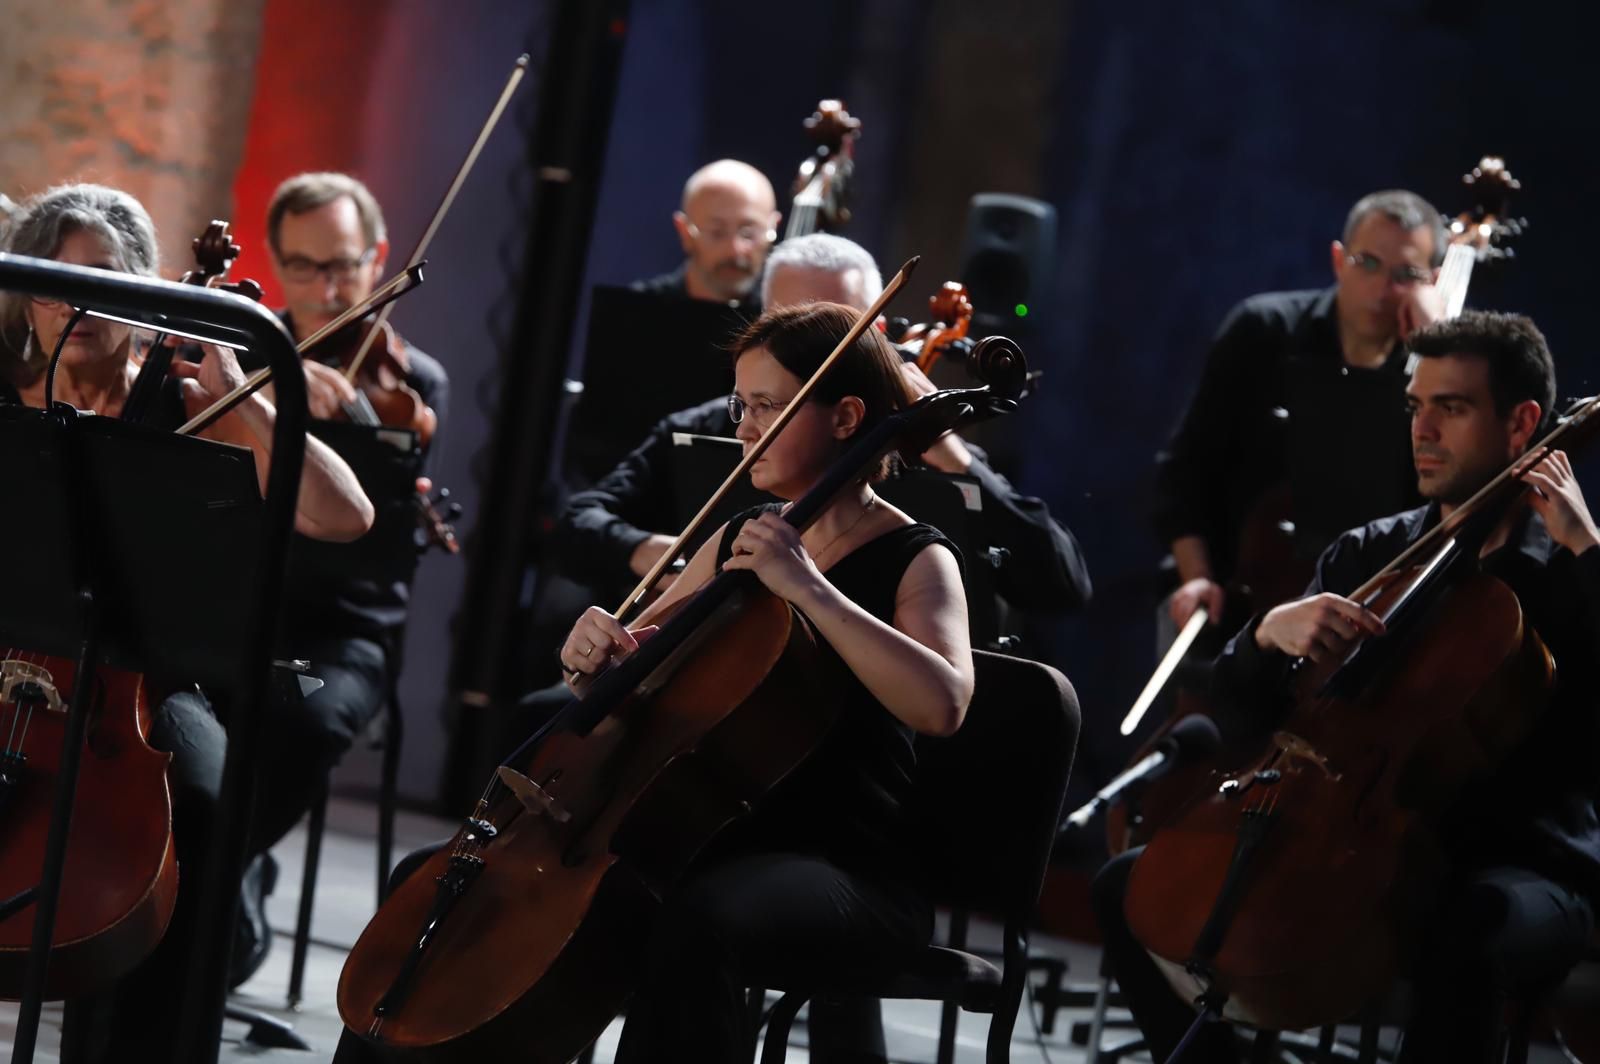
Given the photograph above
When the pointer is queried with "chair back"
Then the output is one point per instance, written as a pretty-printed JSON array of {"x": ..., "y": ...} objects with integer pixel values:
[{"x": 989, "y": 798}]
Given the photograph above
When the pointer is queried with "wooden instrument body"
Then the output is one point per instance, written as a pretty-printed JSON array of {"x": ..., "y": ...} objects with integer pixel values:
[
  {"x": 121, "y": 877},
  {"x": 1269, "y": 573},
  {"x": 539, "y": 954},
  {"x": 1333, "y": 899}
]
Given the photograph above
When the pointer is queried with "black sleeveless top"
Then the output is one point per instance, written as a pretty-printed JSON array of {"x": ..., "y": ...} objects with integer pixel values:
[{"x": 846, "y": 801}]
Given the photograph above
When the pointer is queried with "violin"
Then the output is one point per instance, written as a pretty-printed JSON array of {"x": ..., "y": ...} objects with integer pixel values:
[
  {"x": 822, "y": 186},
  {"x": 383, "y": 398},
  {"x": 1270, "y": 569},
  {"x": 1295, "y": 891},
  {"x": 120, "y": 881},
  {"x": 374, "y": 359},
  {"x": 944, "y": 333},
  {"x": 519, "y": 938}
]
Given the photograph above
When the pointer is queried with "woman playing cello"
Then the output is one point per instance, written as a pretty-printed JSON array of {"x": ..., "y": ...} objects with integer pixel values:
[
  {"x": 90, "y": 225},
  {"x": 814, "y": 880}
]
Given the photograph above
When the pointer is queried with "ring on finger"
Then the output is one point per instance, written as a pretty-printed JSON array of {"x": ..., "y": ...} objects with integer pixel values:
[{"x": 588, "y": 650}]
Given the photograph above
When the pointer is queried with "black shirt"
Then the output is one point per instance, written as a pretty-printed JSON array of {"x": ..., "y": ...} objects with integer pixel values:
[
  {"x": 1538, "y": 808},
  {"x": 675, "y": 285},
  {"x": 318, "y": 607},
  {"x": 846, "y": 800},
  {"x": 602, "y": 526},
  {"x": 1277, "y": 402}
]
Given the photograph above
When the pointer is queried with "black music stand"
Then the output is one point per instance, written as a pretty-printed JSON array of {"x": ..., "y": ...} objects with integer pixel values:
[
  {"x": 646, "y": 356},
  {"x": 108, "y": 505}
]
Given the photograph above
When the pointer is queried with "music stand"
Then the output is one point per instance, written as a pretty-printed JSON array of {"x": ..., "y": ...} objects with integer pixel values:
[
  {"x": 98, "y": 590},
  {"x": 646, "y": 356}
]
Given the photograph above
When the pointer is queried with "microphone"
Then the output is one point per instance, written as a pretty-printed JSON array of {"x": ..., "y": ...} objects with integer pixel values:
[{"x": 1192, "y": 738}]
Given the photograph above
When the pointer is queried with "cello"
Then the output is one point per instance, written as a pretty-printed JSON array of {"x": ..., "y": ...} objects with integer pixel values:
[
  {"x": 1304, "y": 879},
  {"x": 120, "y": 880},
  {"x": 1270, "y": 569},
  {"x": 581, "y": 831}
]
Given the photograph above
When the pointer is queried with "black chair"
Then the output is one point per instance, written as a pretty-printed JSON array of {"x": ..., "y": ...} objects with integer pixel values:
[
  {"x": 385, "y": 733},
  {"x": 984, "y": 817}
]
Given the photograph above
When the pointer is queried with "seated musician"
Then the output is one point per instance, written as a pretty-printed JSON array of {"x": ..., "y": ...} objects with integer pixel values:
[
  {"x": 1525, "y": 844},
  {"x": 1268, "y": 390},
  {"x": 614, "y": 532},
  {"x": 328, "y": 243},
  {"x": 726, "y": 222},
  {"x": 89, "y": 225},
  {"x": 814, "y": 881}
]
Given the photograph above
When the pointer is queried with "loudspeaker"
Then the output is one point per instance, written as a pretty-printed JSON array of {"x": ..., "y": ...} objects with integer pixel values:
[{"x": 1006, "y": 260}]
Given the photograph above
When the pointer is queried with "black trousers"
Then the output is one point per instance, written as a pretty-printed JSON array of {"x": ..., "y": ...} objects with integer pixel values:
[
  {"x": 754, "y": 919},
  {"x": 307, "y": 737},
  {"x": 1497, "y": 931}
]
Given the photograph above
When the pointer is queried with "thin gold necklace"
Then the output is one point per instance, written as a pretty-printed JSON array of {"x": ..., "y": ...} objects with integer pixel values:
[{"x": 859, "y": 517}]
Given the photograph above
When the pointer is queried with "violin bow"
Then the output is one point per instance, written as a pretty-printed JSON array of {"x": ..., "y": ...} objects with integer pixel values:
[
  {"x": 788, "y": 414},
  {"x": 518, "y": 70},
  {"x": 382, "y": 296}
]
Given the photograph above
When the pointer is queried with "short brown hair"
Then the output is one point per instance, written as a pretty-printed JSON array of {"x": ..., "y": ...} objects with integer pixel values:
[
  {"x": 307, "y": 192},
  {"x": 802, "y": 337}
]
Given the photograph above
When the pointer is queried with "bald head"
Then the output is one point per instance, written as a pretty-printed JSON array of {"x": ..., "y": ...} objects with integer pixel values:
[
  {"x": 729, "y": 177},
  {"x": 727, "y": 221}
]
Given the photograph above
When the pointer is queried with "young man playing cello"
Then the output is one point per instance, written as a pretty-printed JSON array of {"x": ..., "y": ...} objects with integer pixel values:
[{"x": 1524, "y": 843}]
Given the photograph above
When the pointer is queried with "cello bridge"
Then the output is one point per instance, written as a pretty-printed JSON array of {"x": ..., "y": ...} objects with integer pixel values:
[
  {"x": 23, "y": 681},
  {"x": 1293, "y": 749}
]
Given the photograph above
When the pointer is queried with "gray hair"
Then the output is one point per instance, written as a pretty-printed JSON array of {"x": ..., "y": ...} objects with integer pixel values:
[
  {"x": 1406, "y": 209},
  {"x": 307, "y": 192},
  {"x": 42, "y": 225},
  {"x": 826, "y": 252}
]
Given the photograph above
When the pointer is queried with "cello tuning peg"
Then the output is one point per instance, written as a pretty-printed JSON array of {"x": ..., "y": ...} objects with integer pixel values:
[
  {"x": 452, "y": 511},
  {"x": 443, "y": 494}
]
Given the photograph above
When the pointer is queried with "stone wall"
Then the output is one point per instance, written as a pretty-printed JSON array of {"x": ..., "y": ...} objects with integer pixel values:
[{"x": 152, "y": 96}]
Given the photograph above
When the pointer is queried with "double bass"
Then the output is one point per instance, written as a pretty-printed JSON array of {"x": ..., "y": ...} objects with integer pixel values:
[
  {"x": 822, "y": 186},
  {"x": 1295, "y": 891},
  {"x": 1271, "y": 570},
  {"x": 520, "y": 937}
]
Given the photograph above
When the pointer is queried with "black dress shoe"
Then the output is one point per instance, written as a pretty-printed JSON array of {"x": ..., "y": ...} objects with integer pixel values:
[{"x": 252, "y": 935}]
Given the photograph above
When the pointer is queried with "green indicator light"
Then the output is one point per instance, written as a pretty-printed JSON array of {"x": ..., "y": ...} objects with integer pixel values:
[{"x": 1022, "y": 310}]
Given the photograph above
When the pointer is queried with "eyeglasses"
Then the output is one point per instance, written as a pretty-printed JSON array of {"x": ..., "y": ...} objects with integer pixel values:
[
  {"x": 761, "y": 411},
  {"x": 721, "y": 234},
  {"x": 1371, "y": 265},
  {"x": 300, "y": 269}
]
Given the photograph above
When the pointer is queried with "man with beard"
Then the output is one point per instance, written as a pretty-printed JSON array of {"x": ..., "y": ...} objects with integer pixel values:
[
  {"x": 726, "y": 223},
  {"x": 1523, "y": 843},
  {"x": 329, "y": 245}
]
